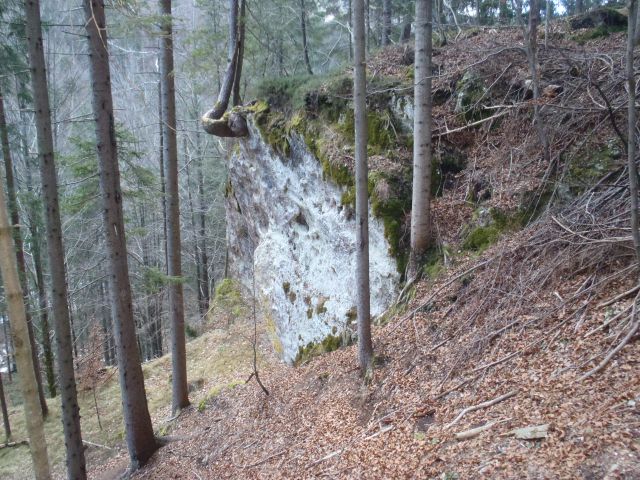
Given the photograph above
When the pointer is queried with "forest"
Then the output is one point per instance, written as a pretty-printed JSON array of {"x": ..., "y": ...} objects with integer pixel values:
[{"x": 319, "y": 239}]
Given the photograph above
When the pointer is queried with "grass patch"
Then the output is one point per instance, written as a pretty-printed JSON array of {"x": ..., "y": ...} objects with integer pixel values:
[{"x": 219, "y": 357}]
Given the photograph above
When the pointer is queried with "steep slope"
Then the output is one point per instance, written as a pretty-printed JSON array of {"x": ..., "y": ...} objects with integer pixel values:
[{"x": 529, "y": 291}]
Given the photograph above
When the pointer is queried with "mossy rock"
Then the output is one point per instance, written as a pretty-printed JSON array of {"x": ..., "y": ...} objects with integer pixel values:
[
  {"x": 586, "y": 169},
  {"x": 481, "y": 237},
  {"x": 608, "y": 18},
  {"x": 470, "y": 92},
  {"x": 330, "y": 343}
]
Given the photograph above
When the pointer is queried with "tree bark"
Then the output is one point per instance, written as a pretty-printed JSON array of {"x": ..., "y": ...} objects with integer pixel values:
[
  {"x": 215, "y": 122},
  {"x": 532, "y": 56},
  {"x": 34, "y": 216},
  {"x": 5, "y": 412},
  {"x": 204, "y": 261},
  {"x": 17, "y": 312},
  {"x": 180, "y": 397},
  {"x": 386, "y": 22},
  {"x": 303, "y": 28},
  {"x": 421, "y": 196},
  {"x": 238, "y": 72},
  {"x": 75, "y": 460},
  {"x": 632, "y": 117},
  {"x": 17, "y": 238},
  {"x": 365, "y": 347},
  {"x": 139, "y": 431}
]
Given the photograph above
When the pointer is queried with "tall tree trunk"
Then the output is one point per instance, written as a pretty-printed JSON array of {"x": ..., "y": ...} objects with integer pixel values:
[
  {"x": 194, "y": 228},
  {"x": 350, "y": 23},
  {"x": 17, "y": 312},
  {"x": 241, "y": 35},
  {"x": 204, "y": 261},
  {"x": 632, "y": 117},
  {"x": 5, "y": 412},
  {"x": 421, "y": 196},
  {"x": 36, "y": 254},
  {"x": 8, "y": 346},
  {"x": 579, "y": 6},
  {"x": 180, "y": 396},
  {"x": 163, "y": 190},
  {"x": 34, "y": 215},
  {"x": 212, "y": 121},
  {"x": 17, "y": 238},
  {"x": 139, "y": 431},
  {"x": 365, "y": 347},
  {"x": 303, "y": 28},
  {"x": 386, "y": 22},
  {"x": 66, "y": 377},
  {"x": 532, "y": 56},
  {"x": 405, "y": 35}
]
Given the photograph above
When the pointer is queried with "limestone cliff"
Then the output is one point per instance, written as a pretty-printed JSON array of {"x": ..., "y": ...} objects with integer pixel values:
[{"x": 288, "y": 229}]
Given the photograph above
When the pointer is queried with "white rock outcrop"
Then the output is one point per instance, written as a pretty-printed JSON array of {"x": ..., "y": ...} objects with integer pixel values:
[{"x": 286, "y": 228}]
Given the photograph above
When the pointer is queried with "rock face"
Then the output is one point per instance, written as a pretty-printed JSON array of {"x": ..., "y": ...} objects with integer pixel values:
[{"x": 286, "y": 228}]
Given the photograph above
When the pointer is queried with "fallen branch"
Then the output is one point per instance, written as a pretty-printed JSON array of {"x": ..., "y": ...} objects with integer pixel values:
[
  {"x": 472, "y": 124},
  {"x": 619, "y": 297},
  {"x": 91, "y": 444},
  {"x": 264, "y": 460},
  {"x": 607, "y": 323},
  {"x": 497, "y": 362},
  {"x": 453, "y": 389},
  {"x": 620, "y": 346},
  {"x": 13, "y": 444},
  {"x": 474, "y": 432},
  {"x": 437, "y": 292},
  {"x": 487, "y": 404}
]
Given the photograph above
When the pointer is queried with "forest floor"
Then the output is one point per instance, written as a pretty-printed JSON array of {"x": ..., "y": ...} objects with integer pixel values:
[{"x": 487, "y": 369}]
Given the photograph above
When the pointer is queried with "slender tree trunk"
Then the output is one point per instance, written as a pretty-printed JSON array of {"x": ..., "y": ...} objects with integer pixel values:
[
  {"x": 421, "y": 196},
  {"x": 36, "y": 254},
  {"x": 386, "y": 22},
  {"x": 8, "y": 347},
  {"x": 180, "y": 397},
  {"x": 350, "y": 23},
  {"x": 17, "y": 238},
  {"x": 632, "y": 117},
  {"x": 405, "y": 35},
  {"x": 204, "y": 261},
  {"x": 303, "y": 28},
  {"x": 241, "y": 35},
  {"x": 162, "y": 182},
  {"x": 532, "y": 56},
  {"x": 213, "y": 122},
  {"x": 579, "y": 6},
  {"x": 66, "y": 377},
  {"x": 367, "y": 25},
  {"x": 365, "y": 347},
  {"x": 139, "y": 431},
  {"x": 17, "y": 312},
  {"x": 5, "y": 412},
  {"x": 194, "y": 228}
]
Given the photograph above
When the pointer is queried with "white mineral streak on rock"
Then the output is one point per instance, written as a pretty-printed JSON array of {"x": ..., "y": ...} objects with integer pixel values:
[{"x": 282, "y": 214}]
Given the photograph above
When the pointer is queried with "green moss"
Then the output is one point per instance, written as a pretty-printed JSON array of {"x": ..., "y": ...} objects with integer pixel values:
[
  {"x": 309, "y": 313},
  {"x": 228, "y": 298},
  {"x": 590, "y": 165},
  {"x": 270, "y": 326},
  {"x": 481, "y": 237},
  {"x": 329, "y": 344},
  {"x": 320, "y": 306},
  {"x": 286, "y": 286}
]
